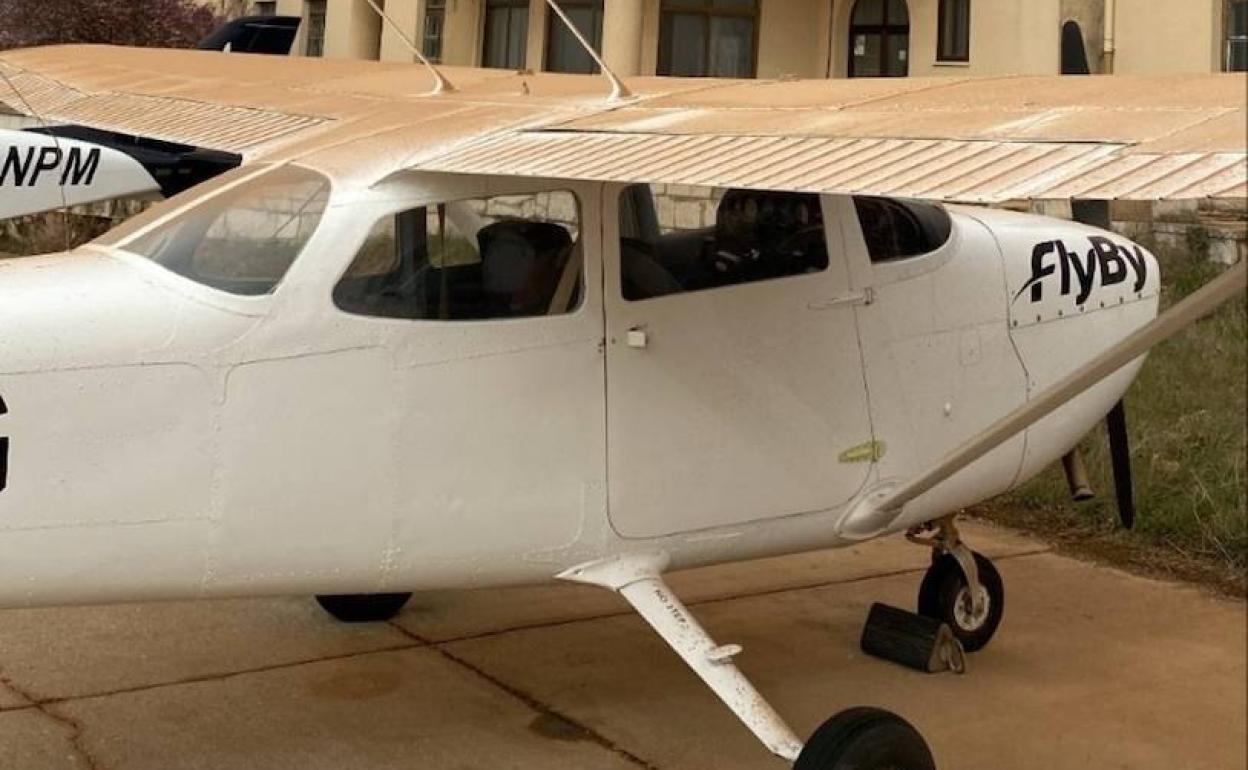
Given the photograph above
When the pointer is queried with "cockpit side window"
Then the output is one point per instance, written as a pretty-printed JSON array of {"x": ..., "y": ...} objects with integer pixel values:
[
  {"x": 513, "y": 256},
  {"x": 243, "y": 240},
  {"x": 899, "y": 229},
  {"x": 677, "y": 239}
]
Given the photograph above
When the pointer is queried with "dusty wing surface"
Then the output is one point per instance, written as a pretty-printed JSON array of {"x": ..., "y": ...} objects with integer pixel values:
[{"x": 981, "y": 140}]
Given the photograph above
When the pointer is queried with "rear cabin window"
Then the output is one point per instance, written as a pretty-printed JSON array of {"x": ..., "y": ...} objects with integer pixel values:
[
  {"x": 898, "y": 229},
  {"x": 677, "y": 239},
  {"x": 245, "y": 239},
  {"x": 513, "y": 256}
]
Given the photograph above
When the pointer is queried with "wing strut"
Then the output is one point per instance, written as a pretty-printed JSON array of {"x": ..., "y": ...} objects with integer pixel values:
[
  {"x": 875, "y": 513},
  {"x": 619, "y": 91},
  {"x": 442, "y": 85}
]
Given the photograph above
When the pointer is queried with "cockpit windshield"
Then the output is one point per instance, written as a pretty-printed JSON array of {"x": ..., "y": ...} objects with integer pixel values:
[{"x": 242, "y": 240}]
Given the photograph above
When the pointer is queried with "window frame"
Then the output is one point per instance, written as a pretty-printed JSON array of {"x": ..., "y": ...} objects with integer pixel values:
[
  {"x": 827, "y": 219},
  {"x": 314, "y": 40},
  {"x": 1229, "y": 39},
  {"x": 510, "y": 7},
  {"x": 555, "y": 25},
  {"x": 707, "y": 10},
  {"x": 434, "y": 9},
  {"x": 450, "y": 195},
  {"x": 864, "y": 272},
  {"x": 120, "y": 239},
  {"x": 885, "y": 30},
  {"x": 947, "y": 15}
]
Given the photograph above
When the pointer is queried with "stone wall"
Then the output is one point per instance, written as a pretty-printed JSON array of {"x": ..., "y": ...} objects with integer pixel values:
[
  {"x": 1207, "y": 229},
  {"x": 683, "y": 207}
]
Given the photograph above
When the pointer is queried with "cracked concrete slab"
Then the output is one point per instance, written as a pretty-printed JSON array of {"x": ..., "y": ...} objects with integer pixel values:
[
  {"x": 407, "y": 709},
  {"x": 10, "y": 698},
  {"x": 449, "y": 615},
  {"x": 72, "y": 652},
  {"x": 31, "y": 739},
  {"x": 1093, "y": 668}
]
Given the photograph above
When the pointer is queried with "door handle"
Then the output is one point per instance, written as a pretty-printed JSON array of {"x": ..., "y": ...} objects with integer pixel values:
[{"x": 637, "y": 337}]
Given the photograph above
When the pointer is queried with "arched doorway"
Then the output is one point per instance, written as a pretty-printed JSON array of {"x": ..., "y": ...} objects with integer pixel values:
[
  {"x": 879, "y": 39},
  {"x": 1074, "y": 52}
]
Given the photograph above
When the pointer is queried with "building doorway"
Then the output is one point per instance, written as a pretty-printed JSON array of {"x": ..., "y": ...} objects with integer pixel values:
[
  {"x": 879, "y": 39},
  {"x": 1074, "y": 52}
]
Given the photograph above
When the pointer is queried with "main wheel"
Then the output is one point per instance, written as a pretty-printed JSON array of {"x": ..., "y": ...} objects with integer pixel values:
[
  {"x": 865, "y": 739},
  {"x": 363, "y": 608},
  {"x": 945, "y": 596}
]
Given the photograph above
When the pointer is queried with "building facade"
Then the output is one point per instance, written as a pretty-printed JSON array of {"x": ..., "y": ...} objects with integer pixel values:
[{"x": 798, "y": 38}]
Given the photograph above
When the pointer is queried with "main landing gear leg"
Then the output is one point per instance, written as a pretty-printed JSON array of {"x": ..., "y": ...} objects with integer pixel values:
[
  {"x": 867, "y": 739},
  {"x": 961, "y": 588}
]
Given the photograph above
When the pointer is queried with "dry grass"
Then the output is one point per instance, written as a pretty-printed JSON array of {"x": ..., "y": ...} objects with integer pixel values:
[{"x": 1186, "y": 418}]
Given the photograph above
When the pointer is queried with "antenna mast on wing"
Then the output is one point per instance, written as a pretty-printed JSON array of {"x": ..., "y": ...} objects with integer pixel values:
[
  {"x": 618, "y": 89},
  {"x": 442, "y": 85}
]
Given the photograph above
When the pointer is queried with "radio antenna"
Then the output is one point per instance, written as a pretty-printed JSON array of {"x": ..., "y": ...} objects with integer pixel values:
[
  {"x": 441, "y": 84},
  {"x": 619, "y": 91}
]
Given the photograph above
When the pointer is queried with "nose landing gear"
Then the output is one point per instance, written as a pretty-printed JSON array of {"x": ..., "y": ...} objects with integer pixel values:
[{"x": 961, "y": 588}]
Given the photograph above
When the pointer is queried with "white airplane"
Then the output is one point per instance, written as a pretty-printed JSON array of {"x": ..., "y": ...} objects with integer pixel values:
[{"x": 478, "y": 328}]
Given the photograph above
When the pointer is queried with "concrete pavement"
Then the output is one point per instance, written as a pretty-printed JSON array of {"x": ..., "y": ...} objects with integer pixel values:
[{"x": 1093, "y": 668}]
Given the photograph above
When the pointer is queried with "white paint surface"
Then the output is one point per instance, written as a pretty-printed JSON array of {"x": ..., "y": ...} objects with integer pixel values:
[
  {"x": 169, "y": 439},
  {"x": 41, "y": 173}
]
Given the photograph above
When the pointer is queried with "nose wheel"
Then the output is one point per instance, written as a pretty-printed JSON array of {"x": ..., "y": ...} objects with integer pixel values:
[
  {"x": 865, "y": 739},
  {"x": 962, "y": 588}
]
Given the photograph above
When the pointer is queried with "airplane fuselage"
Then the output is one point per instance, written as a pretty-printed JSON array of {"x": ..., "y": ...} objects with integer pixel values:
[{"x": 171, "y": 438}]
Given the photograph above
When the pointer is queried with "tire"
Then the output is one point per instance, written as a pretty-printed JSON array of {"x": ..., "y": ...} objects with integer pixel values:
[
  {"x": 865, "y": 739},
  {"x": 363, "y": 608},
  {"x": 944, "y": 596}
]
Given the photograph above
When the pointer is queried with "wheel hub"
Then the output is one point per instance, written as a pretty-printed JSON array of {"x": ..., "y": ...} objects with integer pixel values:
[{"x": 964, "y": 609}]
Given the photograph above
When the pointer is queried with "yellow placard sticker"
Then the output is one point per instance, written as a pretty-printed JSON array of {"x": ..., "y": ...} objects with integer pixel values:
[{"x": 863, "y": 453}]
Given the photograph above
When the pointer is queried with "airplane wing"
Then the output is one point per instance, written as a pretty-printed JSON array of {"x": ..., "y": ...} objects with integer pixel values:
[{"x": 982, "y": 140}]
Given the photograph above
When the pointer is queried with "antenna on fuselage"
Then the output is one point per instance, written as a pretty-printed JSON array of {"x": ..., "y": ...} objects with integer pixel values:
[
  {"x": 618, "y": 89},
  {"x": 442, "y": 85}
]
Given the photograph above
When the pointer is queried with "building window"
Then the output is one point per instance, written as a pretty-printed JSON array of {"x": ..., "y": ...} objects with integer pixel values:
[
  {"x": 506, "y": 34},
  {"x": 879, "y": 39},
  {"x": 563, "y": 53},
  {"x": 315, "y": 45},
  {"x": 708, "y": 38},
  {"x": 1237, "y": 36},
  {"x": 265, "y": 8},
  {"x": 435, "y": 21},
  {"x": 954, "y": 42}
]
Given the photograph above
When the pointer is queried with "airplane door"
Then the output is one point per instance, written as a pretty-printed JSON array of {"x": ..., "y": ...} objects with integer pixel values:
[{"x": 734, "y": 378}]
